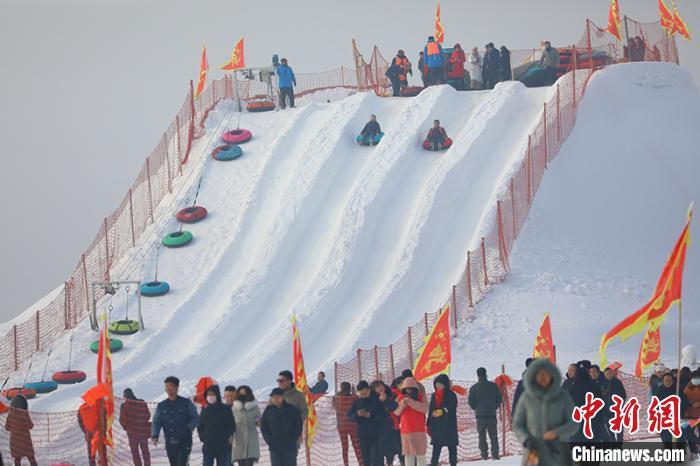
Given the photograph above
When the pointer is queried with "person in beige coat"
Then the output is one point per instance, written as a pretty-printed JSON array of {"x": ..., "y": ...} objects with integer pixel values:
[
  {"x": 412, "y": 409},
  {"x": 246, "y": 445}
]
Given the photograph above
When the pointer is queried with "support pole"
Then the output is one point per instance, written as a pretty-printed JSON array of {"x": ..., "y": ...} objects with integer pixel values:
[
  {"x": 483, "y": 259},
  {"x": 409, "y": 343},
  {"x": 131, "y": 216},
  {"x": 470, "y": 299}
]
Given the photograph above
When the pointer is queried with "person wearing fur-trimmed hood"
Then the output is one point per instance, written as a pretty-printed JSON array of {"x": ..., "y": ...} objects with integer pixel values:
[{"x": 246, "y": 412}]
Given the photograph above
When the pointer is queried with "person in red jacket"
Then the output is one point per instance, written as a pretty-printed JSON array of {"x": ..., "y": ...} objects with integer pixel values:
[
  {"x": 412, "y": 409},
  {"x": 19, "y": 425},
  {"x": 135, "y": 419},
  {"x": 456, "y": 73}
]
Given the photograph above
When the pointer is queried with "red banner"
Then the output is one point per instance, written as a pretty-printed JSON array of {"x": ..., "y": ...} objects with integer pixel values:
[{"x": 436, "y": 355}]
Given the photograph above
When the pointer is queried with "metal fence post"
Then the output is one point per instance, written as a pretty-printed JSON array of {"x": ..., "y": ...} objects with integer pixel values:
[
  {"x": 376, "y": 361},
  {"x": 359, "y": 364},
  {"x": 37, "y": 333},
  {"x": 409, "y": 343},
  {"x": 483, "y": 259},
  {"x": 470, "y": 299}
]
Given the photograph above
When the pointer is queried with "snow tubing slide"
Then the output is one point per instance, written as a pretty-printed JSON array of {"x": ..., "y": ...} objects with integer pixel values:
[
  {"x": 42, "y": 387},
  {"x": 445, "y": 145},
  {"x": 155, "y": 288},
  {"x": 367, "y": 141},
  {"x": 237, "y": 136},
  {"x": 114, "y": 345},
  {"x": 10, "y": 393},
  {"x": 177, "y": 239},
  {"x": 69, "y": 377},
  {"x": 124, "y": 327},
  {"x": 226, "y": 153},
  {"x": 410, "y": 91},
  {"x": 191, "y": 214}
]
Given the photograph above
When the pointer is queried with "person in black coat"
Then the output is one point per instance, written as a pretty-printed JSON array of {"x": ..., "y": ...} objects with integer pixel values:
[
  {"x": 442, "y": 420},
  {"x": 614, "y": 387},
  {"x": 520, "y": 388},
  {"x": 663, "y": 391},
  {"x": 506, "y": 71},
  {"x": 216, "y": 429},
  {"x": 367, "y": 411},
  {"x": 570, "y": 373},
  {"x": 582, "y": 384},
  {"x": 390, "y": 438},
  {"x": 492, "y": 66},
  {"x": 281, "y": 426},
  {"x": 485, "y": 398}
]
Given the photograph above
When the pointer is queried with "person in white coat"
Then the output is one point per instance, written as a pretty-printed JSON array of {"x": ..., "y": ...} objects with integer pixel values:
[
  {"x": 475, "y": 64},
  {"x": 246, "y": 446}
]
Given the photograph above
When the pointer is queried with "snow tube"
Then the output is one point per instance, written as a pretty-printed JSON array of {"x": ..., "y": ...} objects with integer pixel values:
[
  {"x": 191, "y": 214},
  {"x": 152, "y": 289},
  {"x": 42, "y": 387},
  {"x": 226, "y": 153},
  {"x": 69, "y": 377},
  {"x": 124, "y": 327},
  {"x": 260, "y": 103},
  {"x": 445, "y": 145},
  {"x": 114, "y": 345},
  {"x": 410, "y": 91},
  {"x": 177, "y": 239},
  {"x": 237, "y": 136},
  {"x": 365, "y": 140},
  {"x": 13, "y": 392}
]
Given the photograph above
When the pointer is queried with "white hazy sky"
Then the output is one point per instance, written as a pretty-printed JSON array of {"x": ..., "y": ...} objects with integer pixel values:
[{"x": 87, "y": 88}]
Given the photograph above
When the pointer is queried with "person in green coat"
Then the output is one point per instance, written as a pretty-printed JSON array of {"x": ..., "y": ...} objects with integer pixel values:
[
  {"x": 246, "y": 446},
  {"x": 542, "y": 419}
]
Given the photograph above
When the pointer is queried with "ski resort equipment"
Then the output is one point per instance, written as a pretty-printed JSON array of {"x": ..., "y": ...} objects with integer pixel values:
[
  {"x": 111, "y": 288},
  {"x": 369, "y": 141},
  {"x": 237, "y": 136},
  {"x": 154, "y": 288},
  {"x": 410, "y": 91},
  {"x": 427, "y": 145},
  {"x": 177, "y": 239},
  {"x": 226, "y": 153},
  {"x": 43, "y": 386},
  {"x": 191, "y": 214},
  {"x": 260, "y": 103},
  {"x": 125, "y": 326},
  {"x": 68, "y": 376},
  {"x": 10, "y": 393},
  {"x": 114, "y": 345}
]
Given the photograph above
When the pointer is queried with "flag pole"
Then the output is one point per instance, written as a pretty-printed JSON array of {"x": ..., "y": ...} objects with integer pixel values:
[{"x": 680, "y": 322}]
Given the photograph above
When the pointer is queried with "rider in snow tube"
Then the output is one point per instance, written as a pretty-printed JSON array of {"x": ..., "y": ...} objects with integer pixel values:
[
  {"x": 437, "y": 138},
  {"x": 371, "y": 134}
]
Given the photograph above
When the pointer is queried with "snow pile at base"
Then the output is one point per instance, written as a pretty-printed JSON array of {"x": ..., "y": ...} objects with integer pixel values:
[{"x": 607, "y": 215}]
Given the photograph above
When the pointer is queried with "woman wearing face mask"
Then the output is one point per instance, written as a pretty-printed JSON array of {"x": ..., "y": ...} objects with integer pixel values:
[
  {"x": 216, "y": 429},
  {"x": 246, "y": 446},
  {"x": 412, "y": 408},
  {"x": 390, "y": 437},
  {"x": 442, "y": 420},
  {"x": 692, "y": 393}
]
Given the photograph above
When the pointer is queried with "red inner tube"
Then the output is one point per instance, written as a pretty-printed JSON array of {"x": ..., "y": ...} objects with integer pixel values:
[
  {"x": 67, "y": 377},
  {"x": 445, "y": 145},
  {"x": 237, "y": 136},
  {"x": 13, "y": 392},
  {"x": 191, "y": 214}
]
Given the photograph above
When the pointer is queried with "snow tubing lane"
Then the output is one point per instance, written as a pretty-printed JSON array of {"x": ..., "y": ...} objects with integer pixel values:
[
  {"x": 257, "y": 107},
  {"x": 226, "y": 153},
  {"x": 411, "y": 91},
  {"x": 114, "y": 345},
  {"x": 42, "y": 387},
  {"x": 153, "y": 289},
  {"x": 365, "y": 140},
  {"x": 191, "y": 214},
  {"x": 237, "y": 136},
  {"x": 69, "y": 377},
  {"x": 124, "y": 327},
  {"x": 445, "y": 145},
  {"x": 13, "y": 392},
  {"x": 177, "y": 239}
]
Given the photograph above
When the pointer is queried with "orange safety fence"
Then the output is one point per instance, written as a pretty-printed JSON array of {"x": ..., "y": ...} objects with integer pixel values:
[{"x": 57, "y": 438}]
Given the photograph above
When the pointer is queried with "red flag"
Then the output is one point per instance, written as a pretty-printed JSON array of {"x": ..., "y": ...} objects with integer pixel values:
[
  {"x": 436, "y": 356},
  {"x": 203, "y": 384},
  {"x": 439, "y": 31},
  {"x": 614, "y": 23},
  {"x": 237, "y": 58},
  {"x": 649, "y": 351},
  {"x": 203, "y": 67},
  {"x": 104, "y": 377},
  {"x": 544, "y": 344},
  {"x": 678, "y": 23},
  {"x": 666, "y": 18},
  {"x": 302, "y": 384}
]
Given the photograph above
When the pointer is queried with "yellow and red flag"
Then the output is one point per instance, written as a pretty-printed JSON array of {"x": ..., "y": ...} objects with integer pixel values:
[
  {"x": 614, "y": 23},
  {"x": 104, "y": 378},
  {"x": 237, "y": 58},
  {"x": 678, "y": 23},
  {"x": 203, "y": 67},
  {"x": 436, "y": 355},
  {"x": 544, "y": 344},
  {"x": 649, "y": 350},
  {"x": 666, "y": 18},
  {"x": 302, "y": 384},
  {"x": 666, "y": 293},
  {"x": 439, "y": 31}
]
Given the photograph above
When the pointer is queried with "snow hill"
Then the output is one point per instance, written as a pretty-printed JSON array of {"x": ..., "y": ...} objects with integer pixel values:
[{"x": 607, "y": 215}]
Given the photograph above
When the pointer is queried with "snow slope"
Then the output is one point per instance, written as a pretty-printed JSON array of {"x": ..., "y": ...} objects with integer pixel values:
[
  {"x": 358, "y": 242},
  {"x": 606, "y": 217}
]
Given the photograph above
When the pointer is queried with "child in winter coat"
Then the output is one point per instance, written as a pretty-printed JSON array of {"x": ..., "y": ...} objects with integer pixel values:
[{"x": 412, "y": 409}]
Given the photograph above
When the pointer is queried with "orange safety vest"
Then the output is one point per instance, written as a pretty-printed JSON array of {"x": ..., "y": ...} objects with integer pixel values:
[
  {"x": 403, "y": 64},
  {"x": 433, "y": 48}
]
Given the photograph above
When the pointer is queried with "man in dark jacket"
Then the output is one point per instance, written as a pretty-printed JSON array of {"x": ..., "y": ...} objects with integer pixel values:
[
  {"x": 442, "y": 420},
  {"x": 614, "y": 387},
  {"x": 178, "y": 417},
  {"x": 367, "y": 411},
  {"x": 492, "y": 66},
  {"x": 570, "y": 373},
  {"x": 663, "y": 391},
  {"x": 371, "y": 133},
  {"x": 506, "y": 71},
  {"x": 321, "y": 386},
  {"x": 520, "y": 387},
  {"x": 286, "y": 81},
  {"x": 281, "y": 426},
  {"x": 135, "y": 419},
  {"x": 216, "y": 429},
  {"x": 581, "y": 385},
  {"x": 485, "y": 398}
]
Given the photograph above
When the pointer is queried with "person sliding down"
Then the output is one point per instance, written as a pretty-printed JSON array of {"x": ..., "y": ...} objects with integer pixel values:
[
  {"x": 437, "y": 138},
  {"x": 371, "y": 134}
]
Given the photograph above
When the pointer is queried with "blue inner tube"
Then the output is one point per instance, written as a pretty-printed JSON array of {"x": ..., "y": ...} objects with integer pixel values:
[
  {"x": 365, "y": 140},
  {"x": 42, "y": 387},
  {"x": 151, "y": 289},
  {"x": 226, "y": 153}
]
